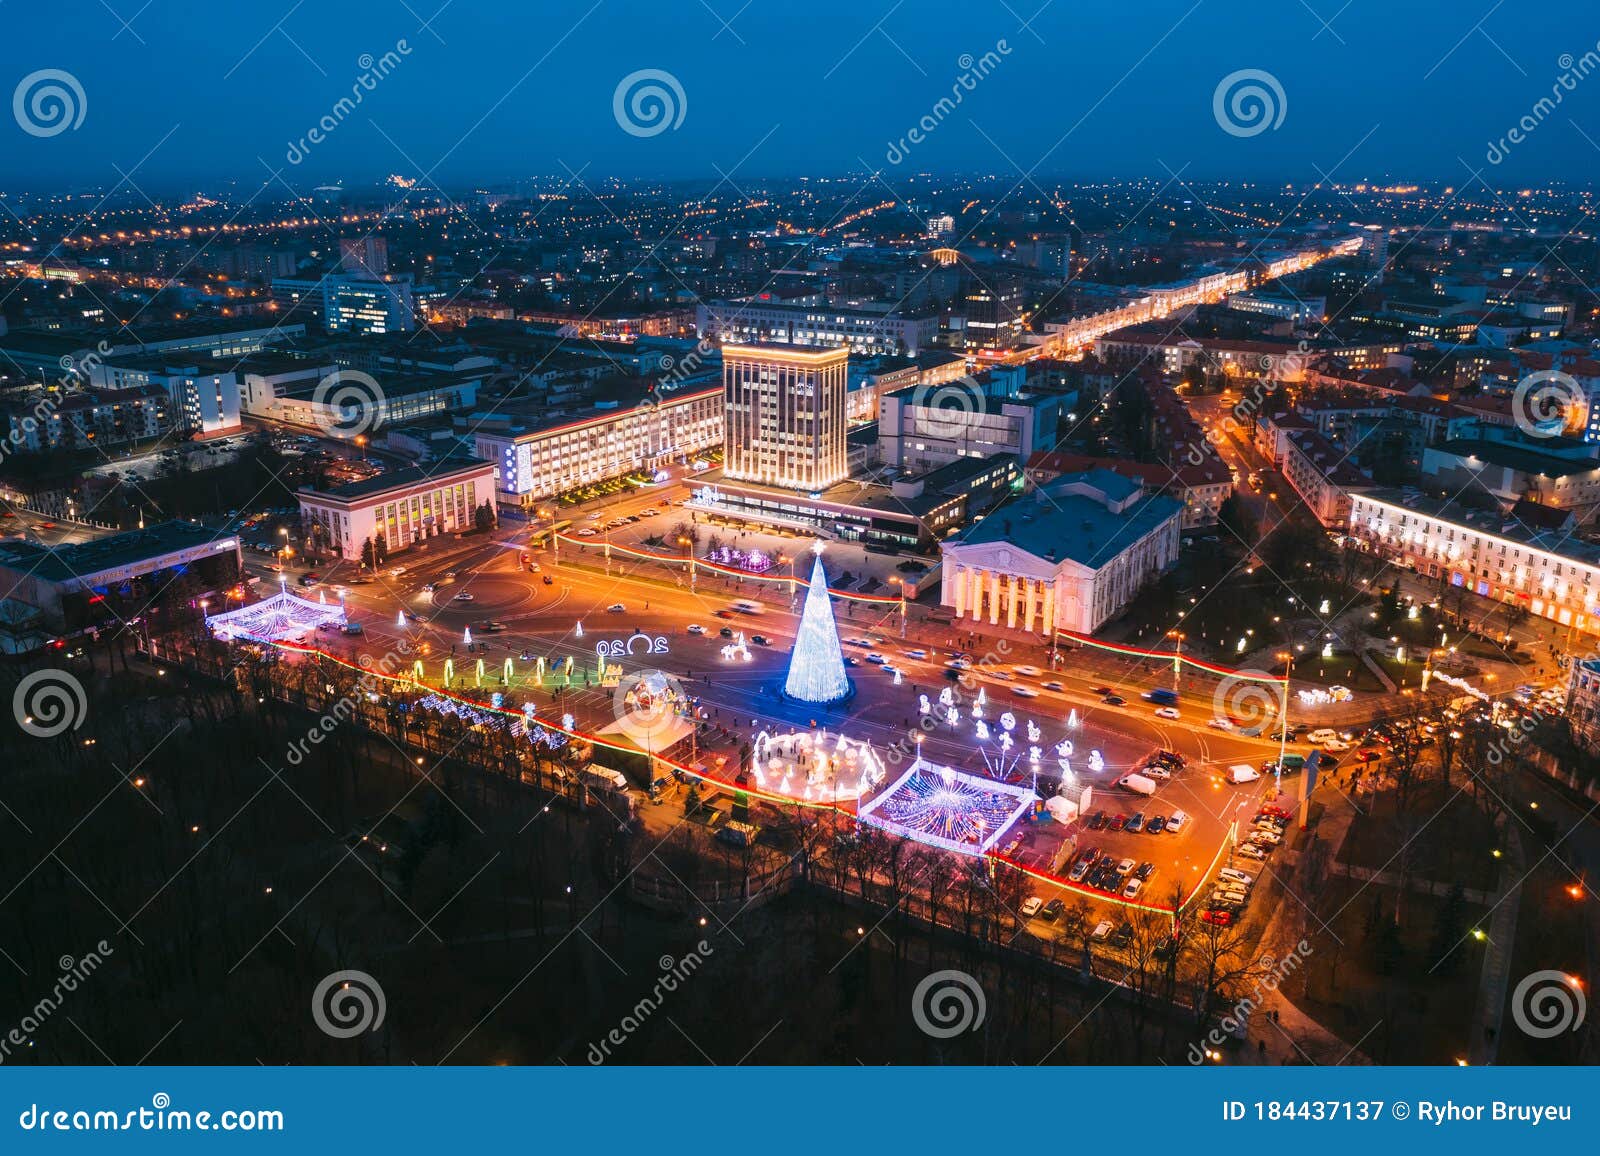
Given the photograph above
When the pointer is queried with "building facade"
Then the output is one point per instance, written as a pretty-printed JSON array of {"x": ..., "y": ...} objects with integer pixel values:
[
  {"x": 543, "y": 460},
  {"x": 786, "y": 415},
  {"x": 1069, "y": 557},
  {"x": 398, "y": 508},
  {"x": 862, "y": 331},
  {"x": 1555, "y": 576}
]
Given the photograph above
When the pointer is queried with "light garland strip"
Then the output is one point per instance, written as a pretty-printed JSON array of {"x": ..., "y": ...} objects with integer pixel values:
[
  {"x": 730, "y": 571},
  {"x": 1168, "y": 656}
]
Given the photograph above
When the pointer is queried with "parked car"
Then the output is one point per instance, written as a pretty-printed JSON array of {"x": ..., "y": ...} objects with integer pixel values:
[
  {"x": 1031, "y": 906},
  {"x": 616, "y": 608},
  {"x": 1052, "y": 911},
  {"x": 696, "y": 628},
  {"x": 1155, "y": 825}
]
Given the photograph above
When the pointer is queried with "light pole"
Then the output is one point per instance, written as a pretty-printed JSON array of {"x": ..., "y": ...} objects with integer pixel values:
[
  {"x": 1177, "y": 637},
  {"x": 1283, "y": 721},
  {"x": 688, "y": 549}
]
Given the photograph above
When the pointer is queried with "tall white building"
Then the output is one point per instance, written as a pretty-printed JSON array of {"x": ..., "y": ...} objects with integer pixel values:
[{"x": 785, "y": 415}]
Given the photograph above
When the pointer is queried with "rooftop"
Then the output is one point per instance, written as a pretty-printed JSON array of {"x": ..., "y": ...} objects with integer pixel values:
[
  {"x": 440, "y": 471},
  {"x": 84, "y": 560},
  {"x": 1074, "y": 526}
]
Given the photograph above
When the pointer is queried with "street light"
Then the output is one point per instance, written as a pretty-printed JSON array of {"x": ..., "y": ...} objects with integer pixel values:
[{"x": 1177, "y": 637}]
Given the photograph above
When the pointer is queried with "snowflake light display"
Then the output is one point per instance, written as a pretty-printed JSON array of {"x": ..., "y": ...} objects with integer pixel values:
[{"x": 943, "y": 807}]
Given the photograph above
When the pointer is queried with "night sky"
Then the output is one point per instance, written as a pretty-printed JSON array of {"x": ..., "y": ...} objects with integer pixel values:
[{"x": 193, "y": 93}]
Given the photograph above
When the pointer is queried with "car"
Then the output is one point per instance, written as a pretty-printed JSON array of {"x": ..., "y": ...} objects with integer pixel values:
[
  {"x": 1145, "y": 871},
  {"x": 1369, "y": 754},
  {"x": 876, "y": 659},
  {"x": 726, "y": 632},
  {"x": 959, "y": 663},
  {"x": 1052, "y": 911},
  {"x": 1176, "y": 822},
  {"x": 1102, "y": 691},
  {"x": 889, "y": 668},
  {"x": 1030, "y": 671},
  {"x": 1167, "y": 712},
  {"x": 696, "y": 628},
  {"x": 1096, "y": 821},
  {"x": 763, "y": 640},
  {"x": 1265, "y": 835},
  {"x": 1114, "y": 700},
  {"x": 1338, "y": 746},
  {"x": 1052, "y": 684},
  {"x": 617, "y": 608},
  {"x": 548, "y": 581},
  {"x": 1251, "y": 851},
  {"x": 1102, "y": 931},
  {"x": 1230, "y": 894},
  {"x": 1135, "y": 823},
  {"x": 1322, "y": 735},
  {"x": 1117, "y": 823},
  {"x": 493, "y": 626},
  {"x": 587, "y": 532},
  {"x": 464, "y": 597},
  {"x": 918, "y": 654},
  {"x": 428, "y": 588},
  {"x": 1219, "y": 916},
  {"x": 1220, "y": 724},
  {"x": 722, "y": 614},
  {"x": 1079, "y": 870},
  {"x": 310, "y": 579},
  {"x": 1002, "y": 675},
  {"x": 1030, "y": 906},
  {"x": 1123, "y": 935},
  {"x": 1157, "y": 772},
  {"x": 1155, "y": 825},
  {"x": 650, "y": 513},
  {"x": 1125, "y": 866},
  {"x": 328, "y": 627},
  {"x": 1024, "y": 692},
  {"x": 1237, "y": 876}
]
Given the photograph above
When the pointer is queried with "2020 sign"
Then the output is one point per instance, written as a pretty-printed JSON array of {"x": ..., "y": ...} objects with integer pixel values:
[{"x": 635, "y": 644}]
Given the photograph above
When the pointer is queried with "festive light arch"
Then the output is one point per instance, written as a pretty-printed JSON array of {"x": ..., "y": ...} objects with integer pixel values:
[{"x": 283, "y": 616}]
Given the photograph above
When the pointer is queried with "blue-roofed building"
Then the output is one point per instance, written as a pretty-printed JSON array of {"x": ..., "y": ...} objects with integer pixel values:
[{"x": 1067, "y": 556}]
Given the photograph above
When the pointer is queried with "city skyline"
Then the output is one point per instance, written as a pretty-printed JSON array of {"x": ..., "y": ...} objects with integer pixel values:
[{"x": 457, "y": 98}]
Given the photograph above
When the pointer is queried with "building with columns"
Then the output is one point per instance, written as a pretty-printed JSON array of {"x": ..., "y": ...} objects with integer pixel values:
[{"x": 1068, "y": 556}]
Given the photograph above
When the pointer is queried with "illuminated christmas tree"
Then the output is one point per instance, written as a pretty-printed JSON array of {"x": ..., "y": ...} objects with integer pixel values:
[{"x": 816, "y": 668}]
